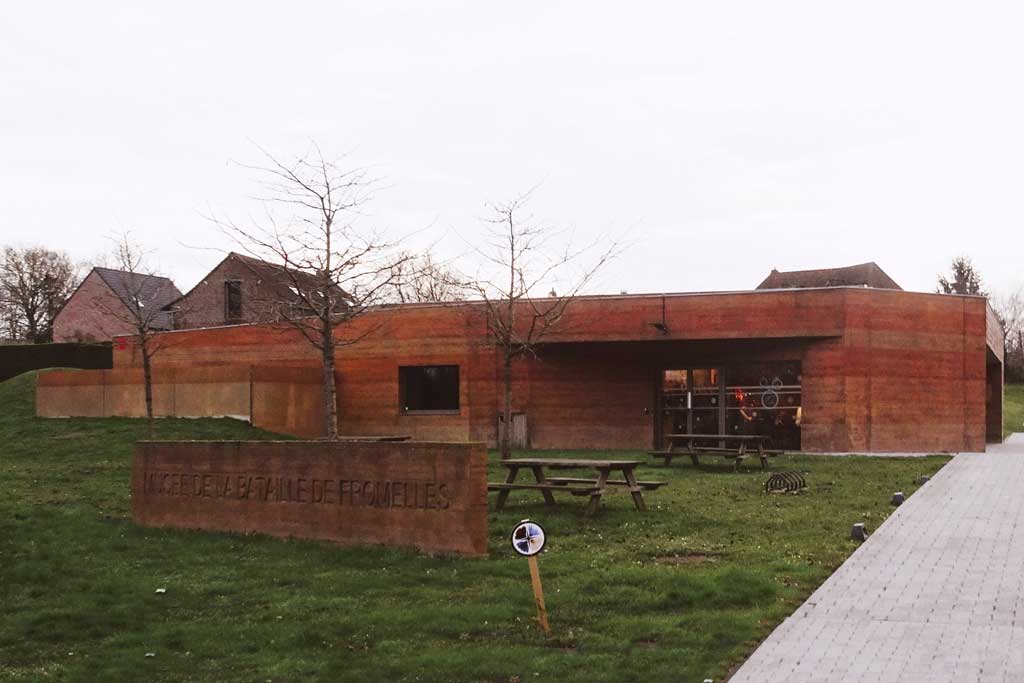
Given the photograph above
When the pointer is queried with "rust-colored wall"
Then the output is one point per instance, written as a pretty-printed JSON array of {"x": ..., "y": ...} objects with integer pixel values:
[
  {"x": 288, "y": 400},
  {"x": 431, "y": 496},
  {"x": 285, "y": 400},
  {"x": 178, "y": 391},
  {"x": 86, "y": 315},
  {"x": 912, "y": 373},
  {"x": 882, "y": 370}
]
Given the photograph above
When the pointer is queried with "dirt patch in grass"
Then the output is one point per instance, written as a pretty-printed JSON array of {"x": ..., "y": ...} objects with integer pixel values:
[{"x": 686, "y": 559}]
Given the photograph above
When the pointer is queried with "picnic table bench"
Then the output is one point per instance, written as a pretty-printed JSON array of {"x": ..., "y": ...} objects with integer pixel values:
[
  {"x": 380, "y": 438},
  {"x": 695, "y": 445},
  {"x": 577, "y": 486}
]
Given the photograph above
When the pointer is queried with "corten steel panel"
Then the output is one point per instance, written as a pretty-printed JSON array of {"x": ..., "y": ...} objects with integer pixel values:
[
  {"x": 295, "y": 408},
  {"x": 70, "y": 393},
  {"x": 69, "y": 378},
  {"x": 212, "y": 399},
  {"x": 129, "y": 400},
  {"x": 431, "y": 496}
]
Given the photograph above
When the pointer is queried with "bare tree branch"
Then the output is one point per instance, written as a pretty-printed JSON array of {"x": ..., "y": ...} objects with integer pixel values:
[
  {"x": 333, "y": 270},
  {"x": 519, "y": 257},
  {"x": 140, "y": 295}
]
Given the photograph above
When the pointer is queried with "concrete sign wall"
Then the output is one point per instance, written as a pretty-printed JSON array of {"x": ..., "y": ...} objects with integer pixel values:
[{"x": 431, "y": 496}]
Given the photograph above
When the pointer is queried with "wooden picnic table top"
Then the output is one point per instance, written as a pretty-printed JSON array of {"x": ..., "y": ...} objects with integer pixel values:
[
  {"x": 568, "y": 463},
  {"x": 720, "y": 437},
  {"x": 594, "y": 488}
]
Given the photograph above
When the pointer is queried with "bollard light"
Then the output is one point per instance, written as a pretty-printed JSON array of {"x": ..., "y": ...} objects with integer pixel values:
[
  {"x": 858, "y": 532},
  {"x": 898, "y": 498}
]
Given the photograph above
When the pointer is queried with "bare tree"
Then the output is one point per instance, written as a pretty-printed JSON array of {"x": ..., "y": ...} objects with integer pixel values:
[
  {"x": 141, "y": 294},
  {"x": 422, "y": 279},
  {"x": 10, "y": 318},
  {"x": 1010, "y": 311},
  {"x": 522, "y": 257},
  {"x": 35, "y": 282},
  {"x": 336, "y": 271},
  {"x": 964, "y": 278}
]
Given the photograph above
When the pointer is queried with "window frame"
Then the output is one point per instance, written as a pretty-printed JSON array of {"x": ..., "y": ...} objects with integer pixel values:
[
  {"x": 402, "y": 382},
  {"x": 227, "y": 299}
]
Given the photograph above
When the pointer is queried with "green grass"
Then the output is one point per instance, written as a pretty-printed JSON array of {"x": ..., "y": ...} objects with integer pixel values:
[
  {"x": 1013, "y": 409},
  {"x": 681, "y": 593}
]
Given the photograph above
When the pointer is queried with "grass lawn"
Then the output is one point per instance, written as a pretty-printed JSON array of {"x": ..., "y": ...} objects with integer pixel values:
[
  {"x": 1013, "y": 409},
  {"x": 681, "y": 593}
]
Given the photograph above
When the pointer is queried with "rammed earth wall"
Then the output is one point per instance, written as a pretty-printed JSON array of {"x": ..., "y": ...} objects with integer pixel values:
[{"x": 430, "y": 496}]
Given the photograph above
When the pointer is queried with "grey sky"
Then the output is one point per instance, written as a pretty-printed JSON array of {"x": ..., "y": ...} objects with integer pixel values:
[{"x": 726, "y": 138}]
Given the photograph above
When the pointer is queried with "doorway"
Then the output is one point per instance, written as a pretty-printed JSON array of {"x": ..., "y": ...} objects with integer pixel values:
[
  {"x": 746, "y": 398},
  {"x": 690, "y": 402}
]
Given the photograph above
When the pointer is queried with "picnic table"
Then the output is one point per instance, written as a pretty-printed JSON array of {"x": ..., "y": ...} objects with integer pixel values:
[
  {"x": 732, "y": 446},
  {"x": 577, "y": 486},
  {"x": 379, "y": 438}
]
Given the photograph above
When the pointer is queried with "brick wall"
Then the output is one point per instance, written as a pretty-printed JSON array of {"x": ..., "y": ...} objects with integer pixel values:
[
  {"x": 204, "y": 305},
  {"x": 87, "y": 314}
]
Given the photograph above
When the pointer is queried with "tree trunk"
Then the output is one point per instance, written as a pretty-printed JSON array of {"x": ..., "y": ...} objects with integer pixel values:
[
  {"x": 330, "y": 389},
  {"x": 147, "y": 380},
  {"x": 506, "y": 414}
]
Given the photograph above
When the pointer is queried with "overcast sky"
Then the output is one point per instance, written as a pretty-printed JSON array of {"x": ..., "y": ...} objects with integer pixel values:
[{"x": 726, "y": 138}]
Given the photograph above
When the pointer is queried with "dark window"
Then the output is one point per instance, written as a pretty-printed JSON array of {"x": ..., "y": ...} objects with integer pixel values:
[
  {"x": 233, "y": 301},
  {"x": 428, "y": 387}
]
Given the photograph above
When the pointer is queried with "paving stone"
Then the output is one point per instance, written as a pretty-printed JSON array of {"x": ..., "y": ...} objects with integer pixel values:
[{"x": 935, "y": 594}]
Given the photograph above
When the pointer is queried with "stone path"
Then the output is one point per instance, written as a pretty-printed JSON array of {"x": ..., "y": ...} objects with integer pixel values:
[{"x": 935, "y": 594}]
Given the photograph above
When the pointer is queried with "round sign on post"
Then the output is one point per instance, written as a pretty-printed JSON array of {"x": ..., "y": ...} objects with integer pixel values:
[{"x": 528, "y": 540}]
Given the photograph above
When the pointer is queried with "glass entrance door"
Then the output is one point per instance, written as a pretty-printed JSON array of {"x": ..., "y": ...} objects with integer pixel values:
[{"x": 690, "y": 401}]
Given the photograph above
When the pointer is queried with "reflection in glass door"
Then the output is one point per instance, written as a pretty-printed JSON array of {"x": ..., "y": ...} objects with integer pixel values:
[{"x": 691, "y": 401}]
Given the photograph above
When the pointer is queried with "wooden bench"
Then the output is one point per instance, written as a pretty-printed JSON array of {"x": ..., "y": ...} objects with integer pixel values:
[
  {"x": 689, "y": 445},
  {"x": 643, "y": 485},
  {"x": 501, "y": 486}
]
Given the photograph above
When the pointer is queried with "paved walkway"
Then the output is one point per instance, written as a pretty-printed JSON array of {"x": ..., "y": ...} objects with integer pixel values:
[{"x": 935, "y": 594}]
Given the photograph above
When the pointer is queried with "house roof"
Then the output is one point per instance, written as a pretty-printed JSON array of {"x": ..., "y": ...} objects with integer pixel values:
[
  {"x": 263, "y": 269},
  {"x": 861, "y": 275},
  {"x": 152, "y": 291}
]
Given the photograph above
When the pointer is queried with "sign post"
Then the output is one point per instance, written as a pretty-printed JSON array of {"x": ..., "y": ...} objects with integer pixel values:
[{"x": 528, "y": 540}]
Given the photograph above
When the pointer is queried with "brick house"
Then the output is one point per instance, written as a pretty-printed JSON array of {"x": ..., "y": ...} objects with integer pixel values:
[
  {"x": 240, "y": 290},
  {"x": 861, "y": 275},
  {"x": 99, "y": 309}
]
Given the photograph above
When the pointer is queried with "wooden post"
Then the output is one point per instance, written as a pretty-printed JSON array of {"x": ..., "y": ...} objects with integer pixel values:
[{"x": 538, "y": 595}]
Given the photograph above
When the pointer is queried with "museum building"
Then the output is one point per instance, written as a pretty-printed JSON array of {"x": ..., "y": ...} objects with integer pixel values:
[{"x": 824, "y": 361}]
